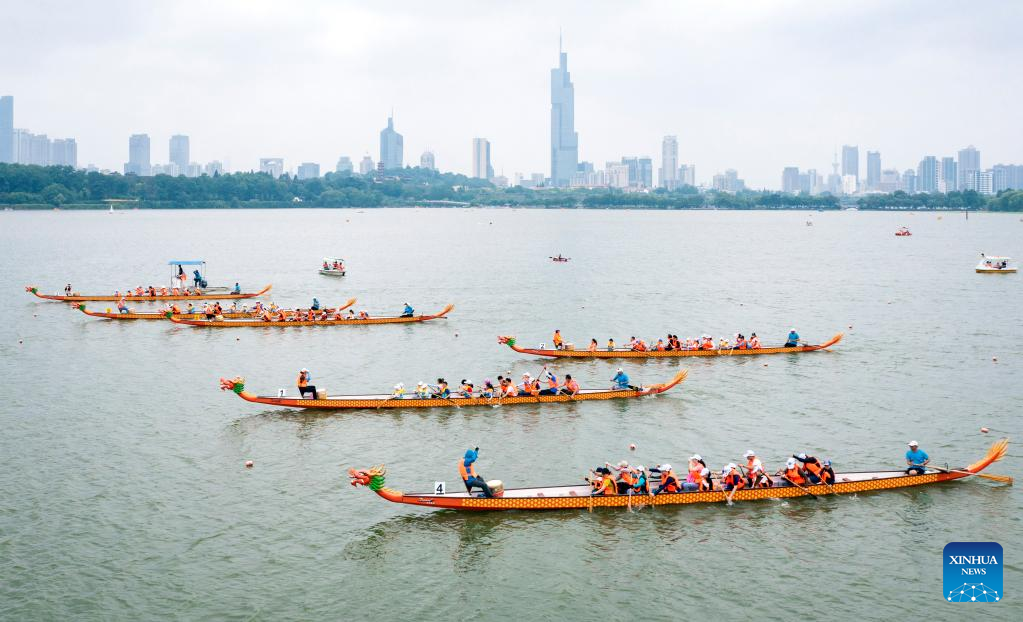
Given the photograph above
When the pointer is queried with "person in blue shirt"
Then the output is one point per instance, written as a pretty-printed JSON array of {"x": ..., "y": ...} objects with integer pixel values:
[
  {"x": 621, "y": 380},
  {"x": 916, "y": 459},
  {"x": 793, "y": 339},
  {"x": 469, "y": 476},
  {"x": 237, "y": 288},
  {"x": 408, "y": 310},
  {"x": 316, "y": 304}
]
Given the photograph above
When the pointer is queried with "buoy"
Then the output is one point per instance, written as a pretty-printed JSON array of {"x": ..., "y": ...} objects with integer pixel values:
[
  {"x": 237, "y": 338},
  {"x": 632, "y": 446},
  {"x": 994, "y": 358},
  {"x": 765, "y": 364},
  {"x": 249, "y": 464},
  {"x": 850, "y": 327},
  {"x": 456, "y": 334},
  {"x": 985, "y": 430}
]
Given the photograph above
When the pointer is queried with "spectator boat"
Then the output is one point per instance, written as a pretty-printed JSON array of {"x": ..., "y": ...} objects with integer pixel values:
[
  {"x": 332, "y": 266},
  {"x": 996, "y": 265}
]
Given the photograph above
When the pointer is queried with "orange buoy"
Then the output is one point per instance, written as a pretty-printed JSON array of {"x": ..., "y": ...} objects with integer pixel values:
[
  {"x": 632, "y": 446},
  {"x": 985, "y": 430},
  {"x": 249, "y": 464}
]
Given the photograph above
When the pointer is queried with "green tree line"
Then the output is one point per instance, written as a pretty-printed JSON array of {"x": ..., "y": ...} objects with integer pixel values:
[{"x": 36, "y": 186}]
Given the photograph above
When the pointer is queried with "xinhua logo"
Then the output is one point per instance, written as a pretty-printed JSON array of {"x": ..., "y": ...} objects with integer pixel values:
[{"x": 972, "y": 572}]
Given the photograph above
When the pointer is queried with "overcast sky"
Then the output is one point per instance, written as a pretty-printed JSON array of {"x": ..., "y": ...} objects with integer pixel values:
[{"x": 754, "y": 86}]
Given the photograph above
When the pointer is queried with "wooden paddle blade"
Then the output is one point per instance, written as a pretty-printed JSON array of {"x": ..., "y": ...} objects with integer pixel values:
[{"x": 1004, "y": 479}]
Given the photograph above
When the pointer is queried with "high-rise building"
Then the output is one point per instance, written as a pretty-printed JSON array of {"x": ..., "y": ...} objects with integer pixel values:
[
  {"x": 873, "y": 169},
  {"x": 366, "y": 165},
  {"x": 813, "y": 182},
  {"x": 909, "y": 181},
  {"x": 64, "y": 152},
  {"x": 179, "y": 153},
  {"x": 982, "y": 182},
  {"x": 426, "y": 161},
  {"x": 308, "y": 170},
  {"x": 344, "y": 165},
  {"x": 564, "y": 140},
  {"x": 391, "y": 146},
  {"x": 728, "y": 181},
  {"x": 29, "y": 148},
  {"x": 138, "y": 156},
  {"x": 890, "y": 180},
  {"x": 969, "y": 163},
  {"x": 618, "y": 175},
  {"x": 274, "y": 167},
  {"x": 1006, "y": 177},
  {"x": 927, "y": 174},
  {"x": 687, "y": 175},
  {"x": 633, "y": 164},
  {"x": 790, "y": 179},
  {"x": 481, "y": 168},
  {"x": 669, "y": 163},
  {"x": 646, "y": 172},
  {"x": 949, "y": 180},
  {"x": 851, "y": 162},
  {"x": 214, "y": 168},
  {"x": 7, "y": 129}
]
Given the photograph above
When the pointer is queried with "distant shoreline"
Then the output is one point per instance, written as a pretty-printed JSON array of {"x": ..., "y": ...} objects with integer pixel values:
[{"x": 286, "y": 205}]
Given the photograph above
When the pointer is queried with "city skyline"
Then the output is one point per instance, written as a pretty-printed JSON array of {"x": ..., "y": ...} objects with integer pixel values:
[{"x": 444, "y": 98}]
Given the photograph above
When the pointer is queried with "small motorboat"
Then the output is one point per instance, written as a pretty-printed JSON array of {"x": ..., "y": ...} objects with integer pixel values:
[
  {"x": 560, "y": 259},
  {"x": 333, "y": 266},
  {"x": 996, "y": 265},
  {"x": 903, "y": 232}
]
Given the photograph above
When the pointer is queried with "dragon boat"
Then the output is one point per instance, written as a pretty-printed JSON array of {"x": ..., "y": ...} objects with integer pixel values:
[
  {"x": 132, "y": 315},
  {"x": 656, "y": 354},
  {"x": 32, "y": 289},
  {"x": 343, "y": 402},
  {"x": 578, "y": 496},
  {"x": 411, "y": 319}
]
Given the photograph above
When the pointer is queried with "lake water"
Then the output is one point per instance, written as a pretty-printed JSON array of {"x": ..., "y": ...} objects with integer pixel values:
[{"x": 124, "y": 491}]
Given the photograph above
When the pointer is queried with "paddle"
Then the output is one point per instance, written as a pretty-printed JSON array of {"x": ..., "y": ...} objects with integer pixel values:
[
  {"x": 803, "y": 488},
  {"x": 1003, "y": 479}
]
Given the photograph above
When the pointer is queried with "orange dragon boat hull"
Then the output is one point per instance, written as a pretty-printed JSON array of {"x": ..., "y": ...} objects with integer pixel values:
[
  {"x": 177, "y": 319},
  {"x": 384, "y": 401},
  {"x": 187, "y": 316},
  {"x": 78, "y": 298},
  {"x": 577, "y": 497},
  {"x": 655, "y": 354}
]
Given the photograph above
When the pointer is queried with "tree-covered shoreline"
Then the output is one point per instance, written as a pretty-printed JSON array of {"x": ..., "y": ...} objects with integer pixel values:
[{"x": 39, "y": 187}]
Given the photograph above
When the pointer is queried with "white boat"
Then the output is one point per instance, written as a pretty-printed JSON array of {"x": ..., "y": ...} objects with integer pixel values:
[
  {"x": 333, "y": 266},
  {"x": 996, "y": 265}
]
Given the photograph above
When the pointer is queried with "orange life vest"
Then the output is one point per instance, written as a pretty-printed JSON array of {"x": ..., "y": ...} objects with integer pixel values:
[
  {"x": 794, "y": 476},
  {"x": 813, "y": 467},
  {"x": 302, "y": 382},
  {"x": 466, "y": 473},
  {"x": 735, "y": 480},
  {"x": 669, "y": 476},
  {"x": 628, "y": 477}
]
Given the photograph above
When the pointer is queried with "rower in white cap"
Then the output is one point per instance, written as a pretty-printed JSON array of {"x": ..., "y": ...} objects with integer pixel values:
[{"x": 916, "y": 459}]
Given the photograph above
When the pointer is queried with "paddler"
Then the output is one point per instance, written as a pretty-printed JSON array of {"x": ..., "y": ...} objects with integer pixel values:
[
  {"x": 792, "y": 340},
  {"x": 621, "y": 381},
  {"x": 756, "y": 475},
  {"x": 626, "y": 476},
  {"x": 731, "y": 478},
  {"x": 571, "y": 387},
  {"x": 466, "y": 388},
  {"x": 488, "y": 389},
  {"x": 559, "y": 343},
  {"x": 604, "y": 483},
  {"x": 552, "y": 383},
  {"x": 610, "y": 345},
  {"x": 640, "y": 485},
  {"x": 399, "y": 391},
  {"x": 422, "y": 390},
  {"x": 812, "y": 466},
  {"x": 754, "y": 342},
  {"x": 122, "y": 305},
  {"x": 916, "y": 459},
  {"x": 408, "y": 311},
  {"x": 593, "y": 345},
  {"x": 441, "y": 389},
  {"x": 828, "y": 473},
  {"x": 706, "y": 482},
  {"x": 304, "y": 383},
  {"x": 693, "y": 470},
  {"x": 793, "y": 473},
  {"x": 468, "y": 472},
  {"x": 669, "y": 481},
  {"x": 237, "y": 288}
]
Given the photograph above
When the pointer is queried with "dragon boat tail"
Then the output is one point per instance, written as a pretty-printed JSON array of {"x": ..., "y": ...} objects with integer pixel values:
[
  {"x": 343, "y": 402},
  {"x": 578, "y": 496},
  {"x": 510, "y": 341}
]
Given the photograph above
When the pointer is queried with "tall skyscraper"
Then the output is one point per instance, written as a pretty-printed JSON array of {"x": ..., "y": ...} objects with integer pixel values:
[
  {"x": 669, "y": 163},
  {"x": 909, "y": 181},
  {"x": 391, "y": 146},
  {"x": 179, "y": 152},
  {"x": 969, "y": 163},
  {"x": 344, "y": 165},
  {"x": 851, "y": 161},
  {"x": 646, "y": 173},
  {"x": 564, "y": 140},
  {"x": 426, "y": 161},
  {"x": 64, "y": 152},
  {"x": 873, "y": 169},
  {"x": 481, "y": 168},
  {"x": 7, "y": 129},
  {"x": 949, "y": 181},
  {"x": 927, "y": 174},
  {"x": 138, "y": 156},
  {"x": 790, "y": 179}
]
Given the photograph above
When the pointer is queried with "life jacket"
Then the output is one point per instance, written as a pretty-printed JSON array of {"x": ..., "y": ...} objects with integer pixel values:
[
  {"x": 628, "y": 477},
  {"x": 694, "y": 474},
  {"x": 794, "y": 475},
  {"x": 512, "y": 390},
  {"x": 827, "y": 475},
  {"x": 735, "y": 480},
  {"x": 557, "y": 339},
  {"x": 813, "y": 465},
  {"x": 741, "y": 344},
  {"x": 708, "y": 345},
  {"x": 610, "y": 344},
  {"x": 670, "y": 481},
  {"x": 302, "y": 381},
  {"x": 466, "y": 473},
  {"x": 640, "y": 346},
  {"x": 706, "y": 483},
  {"x": 572, "y": 386},
  {"x": 660, "y": 346},
  {"x": 552, "y": 382},
  {"x": 467, "y": 390}
]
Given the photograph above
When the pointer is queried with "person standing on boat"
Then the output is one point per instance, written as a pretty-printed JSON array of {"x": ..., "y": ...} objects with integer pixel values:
[
  {"x": 470, "y": 478},
  {"x": 408, "y": 311},
  {"x": 67, "y": 289},
  {"x": 316, "y": 305},
  {"x": 793, "y": 339},
  {"x": 304, "y": 383},
  {"x": 916, "y": 459},
  {"x": 559, "y": 343}
]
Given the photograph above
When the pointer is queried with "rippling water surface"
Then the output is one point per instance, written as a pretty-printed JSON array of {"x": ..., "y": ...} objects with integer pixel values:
[{"x": 124, "y": 494}]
